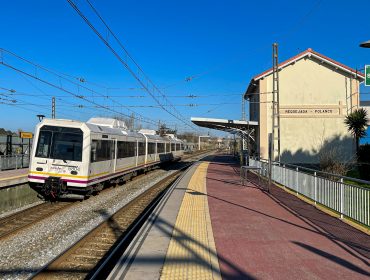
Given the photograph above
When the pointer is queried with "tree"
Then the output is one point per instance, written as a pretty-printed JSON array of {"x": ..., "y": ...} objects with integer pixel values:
[
  {"x": 163, "y": 129},
  {"x": 356, "y": 123}
]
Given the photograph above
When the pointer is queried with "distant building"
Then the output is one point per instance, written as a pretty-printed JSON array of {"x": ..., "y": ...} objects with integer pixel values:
[{"x": 316, "y": 93}]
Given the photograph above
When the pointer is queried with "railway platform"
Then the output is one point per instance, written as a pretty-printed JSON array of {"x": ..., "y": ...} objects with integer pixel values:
[
  {"x": 13, "y": 177},
  {"x": 211, "y": 226}
]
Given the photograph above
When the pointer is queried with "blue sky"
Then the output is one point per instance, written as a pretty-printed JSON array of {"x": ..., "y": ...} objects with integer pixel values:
[{"x": 222, "y": 43}]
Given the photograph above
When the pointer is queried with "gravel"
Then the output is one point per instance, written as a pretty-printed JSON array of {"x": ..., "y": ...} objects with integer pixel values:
[{"x": 25, "y": 253}]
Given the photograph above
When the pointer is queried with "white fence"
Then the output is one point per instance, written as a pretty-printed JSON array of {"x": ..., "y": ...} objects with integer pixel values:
[{"x": 327, "y": 189}]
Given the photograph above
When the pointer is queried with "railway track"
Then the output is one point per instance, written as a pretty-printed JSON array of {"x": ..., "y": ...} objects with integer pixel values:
[
  {"x": 89, "y": 255},
  {"x": 21, "y": 220},
  {"x": 25, "y": 218}
]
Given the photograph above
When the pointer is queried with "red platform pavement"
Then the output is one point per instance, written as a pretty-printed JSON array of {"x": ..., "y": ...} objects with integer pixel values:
[{"x": 275, "y": 235}]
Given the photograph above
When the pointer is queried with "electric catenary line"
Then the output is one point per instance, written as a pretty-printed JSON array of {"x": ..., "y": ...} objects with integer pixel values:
[{"x": 144, "y": 81}]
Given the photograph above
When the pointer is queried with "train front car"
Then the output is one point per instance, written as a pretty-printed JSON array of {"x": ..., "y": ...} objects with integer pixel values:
[{"x": 60, "y": 149}]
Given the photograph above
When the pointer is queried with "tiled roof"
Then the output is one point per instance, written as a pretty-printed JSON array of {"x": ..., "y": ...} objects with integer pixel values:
[{"x": 310, "y": 52}]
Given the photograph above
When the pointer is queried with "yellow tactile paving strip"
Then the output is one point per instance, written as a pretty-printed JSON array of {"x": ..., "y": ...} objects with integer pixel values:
[{"x": 192, "y": 251}]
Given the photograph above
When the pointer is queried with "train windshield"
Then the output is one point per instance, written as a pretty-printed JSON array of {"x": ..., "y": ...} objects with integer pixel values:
[{"x": 57, "y": 142}]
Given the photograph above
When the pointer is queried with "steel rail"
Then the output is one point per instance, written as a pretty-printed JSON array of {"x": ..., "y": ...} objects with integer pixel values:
[
  {"x": 23, "y": 219},
  {"x": 92, "y": 252}
]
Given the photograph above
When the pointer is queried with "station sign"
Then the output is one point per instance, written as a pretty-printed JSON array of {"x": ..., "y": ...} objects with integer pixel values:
[
  {"x": 26, "y": 135},
  {"x": 367, "y": 75}
]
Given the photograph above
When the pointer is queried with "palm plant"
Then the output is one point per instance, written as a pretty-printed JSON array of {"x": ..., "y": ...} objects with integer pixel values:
[{"x": 356, "y": 123}]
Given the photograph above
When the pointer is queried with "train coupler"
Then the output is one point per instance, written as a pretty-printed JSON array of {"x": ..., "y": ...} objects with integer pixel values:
[{"x": 53, "y": 188}]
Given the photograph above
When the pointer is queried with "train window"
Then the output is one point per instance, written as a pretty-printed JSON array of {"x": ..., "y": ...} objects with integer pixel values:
[
  {"x": 173, "y": 147},
  {"x": 151, "y": 148},
  {"x": 160, "y": 148},
  {"x": 141, "y": 148},
  {"x": 102, "y": 150},
  {"x": 67, "y": 146},
  {"x": 43, "y": 146},
  {"x": 168, "y": 147},
  {"x": 126, "y": 149},
  {"x": 58, "y": 142}
]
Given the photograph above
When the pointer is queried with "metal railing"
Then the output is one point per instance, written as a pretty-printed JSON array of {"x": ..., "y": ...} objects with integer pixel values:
[
  {"x": 14, "y": 161},
  {"x": 327, "y": 189}
]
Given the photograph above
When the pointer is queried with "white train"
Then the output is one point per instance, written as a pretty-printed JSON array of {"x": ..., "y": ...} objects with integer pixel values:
[{"x": 72, "y": 157}]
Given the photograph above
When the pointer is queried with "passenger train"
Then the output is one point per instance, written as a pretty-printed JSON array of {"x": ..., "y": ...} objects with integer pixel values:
[{"x": 79, "y": 158}]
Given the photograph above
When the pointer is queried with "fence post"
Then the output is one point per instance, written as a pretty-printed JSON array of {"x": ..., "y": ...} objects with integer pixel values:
[
  {"x": 315, "y": 174},
  {"x": 297, "y": 180},
  {"x": 1, "y": 163},
  {"x": 16, "y": 162},
  {"x": 341, "y": 198}
]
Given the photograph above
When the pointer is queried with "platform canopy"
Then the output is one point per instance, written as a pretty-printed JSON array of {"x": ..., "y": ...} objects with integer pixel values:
[
  {"x": 243, "y": 128},
  {"x": 223, "y": 124}
]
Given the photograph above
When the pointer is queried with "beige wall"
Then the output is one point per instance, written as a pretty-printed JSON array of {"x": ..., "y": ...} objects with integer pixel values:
[
  {"x": 314, "y": 100},
  {"x": 263, "y": 140}
]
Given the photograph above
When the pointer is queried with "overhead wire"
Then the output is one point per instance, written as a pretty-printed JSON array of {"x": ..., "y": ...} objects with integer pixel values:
[
  {"x": 17, "y": 103},
  {"x": 144, "y": 85},
  {"x": 70, "y": 92},
  {"x": 155, "y": 106},
  {"x": 45, "y": 94},
  {"x": 291, "y": 31},
  {"x": 59, "y": 76},
  {"x": 142, "y": 118}
]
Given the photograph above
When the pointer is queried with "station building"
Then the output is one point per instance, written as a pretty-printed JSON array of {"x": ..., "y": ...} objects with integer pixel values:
[{"x": 315, "y": 94}]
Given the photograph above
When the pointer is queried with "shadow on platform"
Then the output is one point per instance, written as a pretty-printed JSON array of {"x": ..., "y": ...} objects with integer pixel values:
[
  {"x": 324, "y": 224},
  {"x": 188, "y": 243},
  {"x": 333, "y": 258}
]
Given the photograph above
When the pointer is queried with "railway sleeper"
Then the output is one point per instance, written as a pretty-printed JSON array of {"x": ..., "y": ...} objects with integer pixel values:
[
  {"x": 91, "y": 251},
  {"x": 89, "y": 259}
]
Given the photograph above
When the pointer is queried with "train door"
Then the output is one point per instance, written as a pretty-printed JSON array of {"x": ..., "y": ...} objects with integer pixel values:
[
  {"x": 112, "y": 162},
  {"x": 137, "y": 151},
  {"x": 114, "y": 155},
  {"x": 156, "y": 150}
]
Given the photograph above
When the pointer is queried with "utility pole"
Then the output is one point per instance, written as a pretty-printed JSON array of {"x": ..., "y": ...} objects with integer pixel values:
[
  {"x": 243, "y": 108},
  {"x": 53, "y": 107},
  {"x": 275, "y": 132},
  {"x": 132, "y": 122},
  {"x": 275, "y": 103}
]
